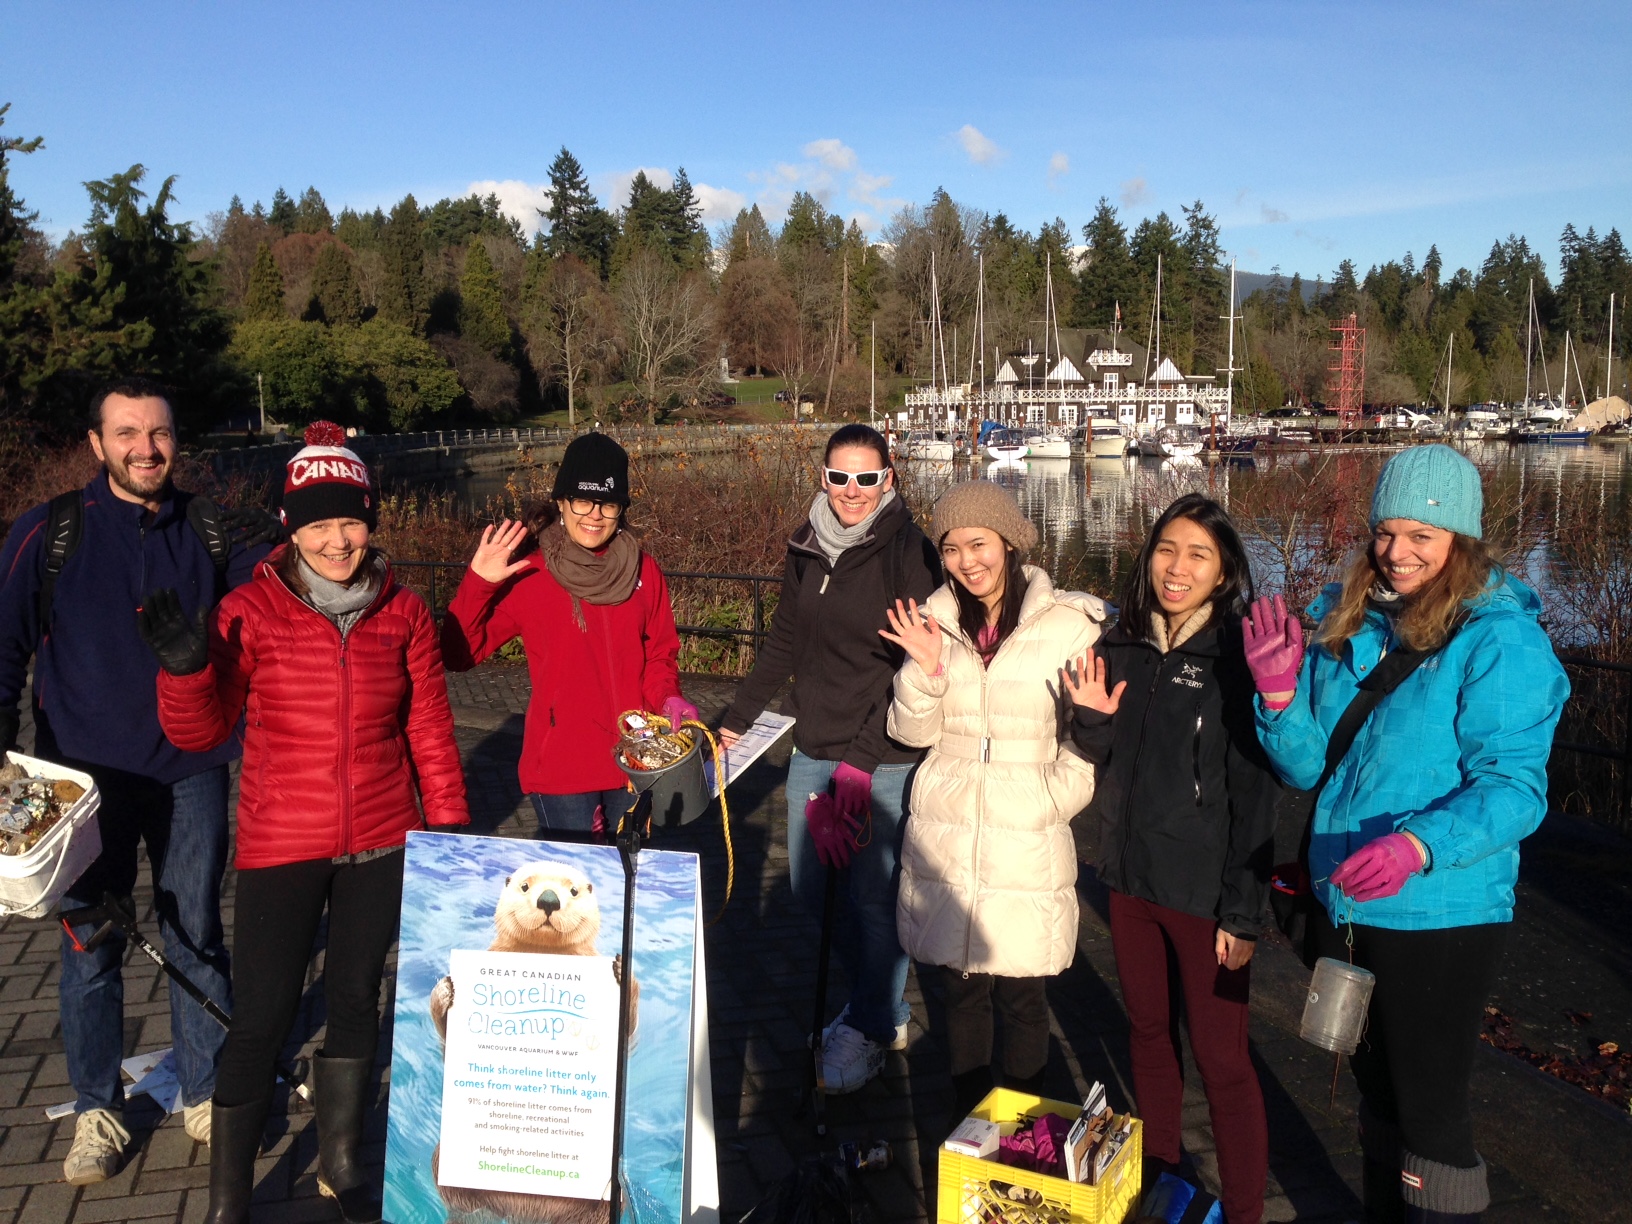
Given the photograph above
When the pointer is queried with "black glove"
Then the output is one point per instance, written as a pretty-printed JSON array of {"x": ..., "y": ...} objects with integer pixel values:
[
  {"x": 183, "y": 648},
  {"x": 251, "y": 525},
  {"x": 9, "y": 723}
]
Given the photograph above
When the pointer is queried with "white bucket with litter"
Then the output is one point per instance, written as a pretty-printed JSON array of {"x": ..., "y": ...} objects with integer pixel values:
[
  {"x": 31, "y": 883},
  {"x": 1334, "y": 1015}
]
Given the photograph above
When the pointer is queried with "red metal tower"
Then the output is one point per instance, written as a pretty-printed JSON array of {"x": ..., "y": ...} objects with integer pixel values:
[{"x": 1349, "y": 343}]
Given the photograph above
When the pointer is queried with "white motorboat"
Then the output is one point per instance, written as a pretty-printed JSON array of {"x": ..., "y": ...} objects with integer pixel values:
[
  {"x": 1048, "y": 446},
  {"x": 1106, "y": 440},
  {"x": 1006, "y": 445},
  {"x": 927, "y": 444},
  {"x": 1172, "y": 442}
]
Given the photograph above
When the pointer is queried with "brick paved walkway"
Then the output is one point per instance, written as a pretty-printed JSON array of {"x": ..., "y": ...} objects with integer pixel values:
[{"x": 1567, "y": 1159}]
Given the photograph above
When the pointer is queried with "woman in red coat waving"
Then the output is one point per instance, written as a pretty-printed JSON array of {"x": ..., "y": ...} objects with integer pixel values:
[
  {"x": 592, "y": 611},
  {"x": 336, "y": 672}
]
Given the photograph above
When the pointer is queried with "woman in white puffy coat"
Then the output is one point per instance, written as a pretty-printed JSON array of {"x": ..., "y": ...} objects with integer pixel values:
[{"x": 989, "y": 867}]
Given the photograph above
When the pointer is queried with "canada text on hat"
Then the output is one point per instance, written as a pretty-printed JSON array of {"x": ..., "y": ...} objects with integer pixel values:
[{"x": 326, "y": 463}]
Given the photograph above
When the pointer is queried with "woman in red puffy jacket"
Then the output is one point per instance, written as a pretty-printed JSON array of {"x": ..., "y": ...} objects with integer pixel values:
[
  {"x": 592, "y": 610},
  {"x": 347, "y": 737}
]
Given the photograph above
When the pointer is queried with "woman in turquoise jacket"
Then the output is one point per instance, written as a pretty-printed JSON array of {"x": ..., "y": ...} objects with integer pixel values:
[{"x": 1415, "y": 844}]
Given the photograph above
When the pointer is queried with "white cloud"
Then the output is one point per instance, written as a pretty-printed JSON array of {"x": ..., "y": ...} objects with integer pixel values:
[
  {"x": 834, "y": 154},
  {"x": 719, "y": 203},
  {"x": 981, "y": 148},
  {"x": 1135, "y": 192},
  {"x": 1058, "y": 166},
  {"x": 518, "y": 199}
]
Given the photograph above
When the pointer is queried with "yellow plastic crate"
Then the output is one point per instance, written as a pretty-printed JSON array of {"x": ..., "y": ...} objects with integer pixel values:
[{"x": 972, "y": 1191}]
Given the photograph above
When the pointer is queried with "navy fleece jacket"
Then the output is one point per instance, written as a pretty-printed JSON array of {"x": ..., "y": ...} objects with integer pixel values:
[{"x": 94, "y": 677}]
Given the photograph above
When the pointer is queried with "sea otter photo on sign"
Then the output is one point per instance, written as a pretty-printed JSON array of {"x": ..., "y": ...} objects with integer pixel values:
[{"x": 504, "y": 1048}]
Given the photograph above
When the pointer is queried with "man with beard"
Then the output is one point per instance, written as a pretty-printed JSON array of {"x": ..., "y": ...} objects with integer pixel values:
[{"x": 95, "y": 708}]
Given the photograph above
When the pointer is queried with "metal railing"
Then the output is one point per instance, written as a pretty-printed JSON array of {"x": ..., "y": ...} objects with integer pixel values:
[
  {"x": 754, "y": 634},
  {"x": 1621, "y": 753}
]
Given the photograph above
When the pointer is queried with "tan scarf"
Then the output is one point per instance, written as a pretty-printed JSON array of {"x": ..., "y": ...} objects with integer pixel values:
[
  {"x": 606, "y": 577},
  {"x": 1194, "y": 624}
]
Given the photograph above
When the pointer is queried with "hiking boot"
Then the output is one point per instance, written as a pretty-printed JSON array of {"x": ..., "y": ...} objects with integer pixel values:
[
  {"x": 195, "y": 1120},
  {"x": 898, "y": 1042},
  {"x": 99, "y": 1145},
  {"x": 849, "y": 1059}
]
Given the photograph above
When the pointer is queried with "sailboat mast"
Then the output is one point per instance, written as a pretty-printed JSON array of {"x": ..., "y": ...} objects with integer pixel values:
[
  {"x": 981, "y": 338},
  {"x": 1529, "y": 316},
  {"x": 1229, "y": 373},
  {"x": 1609, "y": 355},
  {"x": 872, "y": 374},
  {"x": 1450, "y": 364}
]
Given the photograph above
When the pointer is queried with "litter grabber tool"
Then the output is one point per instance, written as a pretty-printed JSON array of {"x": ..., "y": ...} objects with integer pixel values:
[
  {"x": 817, "y": 1083},
  {"x": 632, "y": 826},
  {"x": 120, "y": 912}
]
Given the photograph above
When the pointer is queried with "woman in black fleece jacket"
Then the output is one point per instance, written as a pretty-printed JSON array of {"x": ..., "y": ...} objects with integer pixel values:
[
  {"x": 857, "y": 553},
  {"x": 1186, "y": 804}
]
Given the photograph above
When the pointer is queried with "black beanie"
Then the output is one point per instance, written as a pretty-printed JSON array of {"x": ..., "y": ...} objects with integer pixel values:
[{"x": 595, "y": 467}]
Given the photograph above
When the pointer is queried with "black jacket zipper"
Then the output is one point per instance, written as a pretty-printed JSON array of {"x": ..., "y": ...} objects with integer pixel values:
[{"x": 1195, "y": 754}]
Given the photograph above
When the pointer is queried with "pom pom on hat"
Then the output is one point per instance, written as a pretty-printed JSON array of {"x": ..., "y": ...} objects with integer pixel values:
[
  {"x": 324, "y": 433},
  {"x": 325, "y": 480}
]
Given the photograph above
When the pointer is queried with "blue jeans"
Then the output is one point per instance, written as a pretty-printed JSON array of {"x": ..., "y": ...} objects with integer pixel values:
[
  {"x": 570, "y": 818},
  {"x": 864, "y": 925},
  {"x": 185, "y": 827}
]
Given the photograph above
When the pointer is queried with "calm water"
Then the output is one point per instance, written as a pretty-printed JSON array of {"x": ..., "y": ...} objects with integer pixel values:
[{"x": 1083, "y": 507}]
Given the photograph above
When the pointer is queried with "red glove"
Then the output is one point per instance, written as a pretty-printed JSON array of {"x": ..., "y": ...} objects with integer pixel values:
[
  {"x": 1379, "y": 868},
  {"x": 1274, "y": 646},
  {"x": 833, "y": 833},
  {"x": 677, "y": 710},
  {"x": 852, "y": 793}
]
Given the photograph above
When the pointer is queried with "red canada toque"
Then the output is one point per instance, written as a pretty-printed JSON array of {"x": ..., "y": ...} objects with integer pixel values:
[{"x": 326, "y": 481}]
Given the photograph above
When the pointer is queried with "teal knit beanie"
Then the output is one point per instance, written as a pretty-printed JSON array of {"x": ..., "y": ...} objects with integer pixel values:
[{"x": 1433, "y": 485}]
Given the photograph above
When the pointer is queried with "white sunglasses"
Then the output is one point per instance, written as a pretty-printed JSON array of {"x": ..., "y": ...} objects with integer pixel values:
[{"x": 864, "y": 480}]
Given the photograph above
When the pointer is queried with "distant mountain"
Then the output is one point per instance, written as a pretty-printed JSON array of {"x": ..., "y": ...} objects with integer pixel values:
[{"x": 1248, "y": 283}]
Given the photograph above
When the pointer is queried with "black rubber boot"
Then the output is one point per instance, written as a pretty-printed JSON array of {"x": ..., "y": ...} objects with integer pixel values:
[
  {"x": 341, "y": 1086},
  {"x": 235, "y": 1141},
  {"x": 969, "y": 1088},
  {"x": 1442, "y": 1194},
  {"x": 1380, "y": 1185}
]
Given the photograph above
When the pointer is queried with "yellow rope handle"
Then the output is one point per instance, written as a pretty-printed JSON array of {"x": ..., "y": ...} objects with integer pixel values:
[{"x": 719, "y": 777}]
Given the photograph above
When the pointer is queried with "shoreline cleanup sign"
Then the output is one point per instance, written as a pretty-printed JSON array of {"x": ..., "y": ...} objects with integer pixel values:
[{"x": 530, "y": 1072}]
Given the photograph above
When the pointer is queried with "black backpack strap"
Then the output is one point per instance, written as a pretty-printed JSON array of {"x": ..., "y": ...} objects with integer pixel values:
[
  {"x": 1392, "y": 670},
  {"x": 64, "y": 523},
  {"x": 204, "y": 516}
]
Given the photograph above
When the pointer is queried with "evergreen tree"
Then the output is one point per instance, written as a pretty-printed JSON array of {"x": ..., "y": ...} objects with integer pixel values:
[
  {"x": 748, "y": 236},
  {"x": 454, "y": 223},
  {"x": 1431, "y": 265},
  {"x": 578, "y": 224},
  {"x": 1110, "y": 277},
  {"x": 687, "y": 236},
  {"x": 482, "y": 320},
  {"x": 360, "y": 231},
  {"x": 20, "y": 321},
  {"x": 402, "y": 296},
  {"x": 336, "y": 296},
  {"x": 284, "y": 215},
  {"x": 264, "y": 298},
  {"x": 312, "y": 214}
]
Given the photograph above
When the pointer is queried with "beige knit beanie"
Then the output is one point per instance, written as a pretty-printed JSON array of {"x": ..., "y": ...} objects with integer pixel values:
[{"x": 980, "y": 503}]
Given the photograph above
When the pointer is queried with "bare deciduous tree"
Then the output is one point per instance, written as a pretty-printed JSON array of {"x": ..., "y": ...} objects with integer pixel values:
[
  {"x": 570, "y": 324},
  {"x": 667, "y": 320}
]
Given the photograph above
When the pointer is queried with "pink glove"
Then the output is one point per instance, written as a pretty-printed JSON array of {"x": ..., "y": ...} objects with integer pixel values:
[
  {"x": 852, "y": 793},
  {"x": 677, "y": 710},
  {"x": 1379, "y": 868},
  {"x": 834, "y": 835},
  {"x": 1274, "y": 646}
]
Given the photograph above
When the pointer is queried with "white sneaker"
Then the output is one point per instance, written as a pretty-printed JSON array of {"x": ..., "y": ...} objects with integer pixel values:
[
  {"x": 99, "y": 1144},
  {"x": 898, "y": 1042},
  {"x": 195, "y": 1120},
  {"x": 849, "y": 1059}
]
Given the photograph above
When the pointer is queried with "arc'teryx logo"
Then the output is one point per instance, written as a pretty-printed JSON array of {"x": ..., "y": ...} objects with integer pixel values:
[{"x": 1189, "y": 676}]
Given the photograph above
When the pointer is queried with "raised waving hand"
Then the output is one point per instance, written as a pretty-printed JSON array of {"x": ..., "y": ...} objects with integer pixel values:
[
  {"x": 1085, "y": 681},
  {"x": 492, "y": 560},
  {"x": 916, "y": 632}
]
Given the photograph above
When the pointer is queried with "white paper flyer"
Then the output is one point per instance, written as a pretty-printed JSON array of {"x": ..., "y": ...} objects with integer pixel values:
[
  {"x": 765, "y": 731},
  {"x": 530, "y": 1072}
]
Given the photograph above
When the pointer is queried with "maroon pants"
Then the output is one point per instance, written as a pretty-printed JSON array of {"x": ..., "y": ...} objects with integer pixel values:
[{"x": 1150, "y": 941}]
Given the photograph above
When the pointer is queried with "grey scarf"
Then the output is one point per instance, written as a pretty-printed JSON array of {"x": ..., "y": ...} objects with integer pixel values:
[
  {"x": 344, "y": 605},
  {"x": 832, "y": 536}
]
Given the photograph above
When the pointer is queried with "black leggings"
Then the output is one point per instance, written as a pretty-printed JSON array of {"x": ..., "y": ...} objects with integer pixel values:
[
  {"x": 1416, "y": 1058},
  {"x": 1023, "y": 1003},
  {"x": 275, "y": 921}
]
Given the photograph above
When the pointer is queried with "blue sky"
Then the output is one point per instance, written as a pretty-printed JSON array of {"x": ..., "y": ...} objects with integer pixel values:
[{"x": 1313, "y": 130}]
